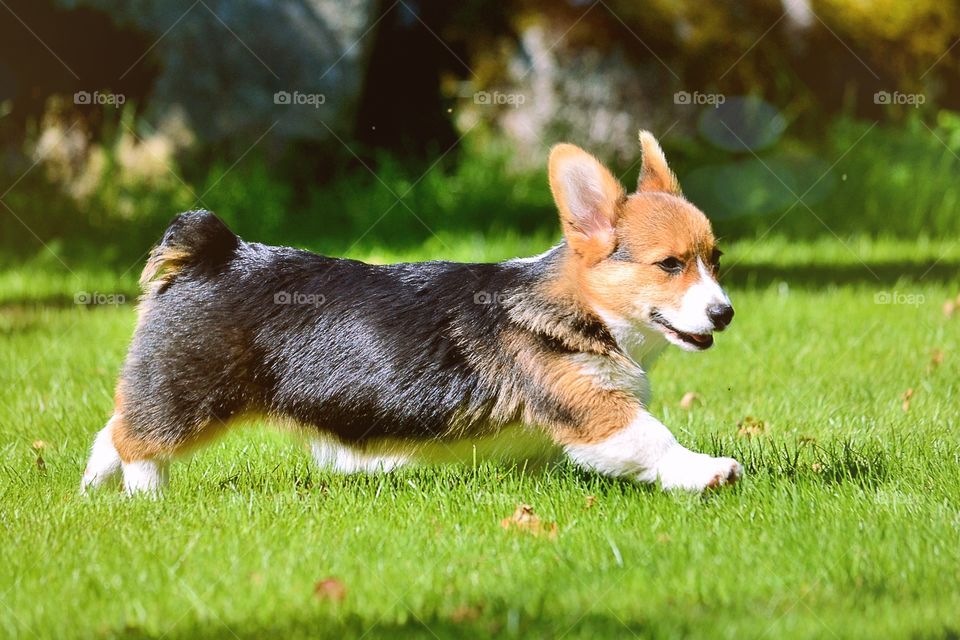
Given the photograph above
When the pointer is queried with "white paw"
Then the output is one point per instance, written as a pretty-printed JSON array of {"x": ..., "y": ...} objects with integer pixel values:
[
  {"x": 147, "y": 477},
  {"x": 688, "y": 471}
]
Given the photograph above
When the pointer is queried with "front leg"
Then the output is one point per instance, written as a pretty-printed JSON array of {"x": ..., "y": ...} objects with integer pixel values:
[{"x": 645, "y": 450}]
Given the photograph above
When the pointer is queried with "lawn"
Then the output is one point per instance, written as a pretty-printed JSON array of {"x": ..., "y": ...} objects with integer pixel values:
[{"x": 845, "y": 525}]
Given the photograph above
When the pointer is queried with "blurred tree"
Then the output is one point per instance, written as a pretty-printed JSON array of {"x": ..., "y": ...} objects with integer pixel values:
[{"x": 48, "y": 51}]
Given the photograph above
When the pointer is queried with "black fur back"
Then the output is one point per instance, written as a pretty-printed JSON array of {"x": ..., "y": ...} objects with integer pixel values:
[{"x": 416, "y": 350}]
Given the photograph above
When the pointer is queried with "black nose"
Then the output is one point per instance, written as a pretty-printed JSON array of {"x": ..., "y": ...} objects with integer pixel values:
[{"x": 720, "y": 315}]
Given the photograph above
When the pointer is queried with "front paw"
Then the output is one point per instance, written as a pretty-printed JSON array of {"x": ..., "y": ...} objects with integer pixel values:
[{"x": 688, "y": 471}]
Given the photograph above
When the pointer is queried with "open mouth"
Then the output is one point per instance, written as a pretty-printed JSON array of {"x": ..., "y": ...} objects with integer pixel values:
[{"x": 698, "y": 341}]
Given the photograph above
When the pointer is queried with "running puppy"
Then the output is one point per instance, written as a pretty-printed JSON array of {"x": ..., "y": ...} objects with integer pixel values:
[{"x": 376, "y": 362}]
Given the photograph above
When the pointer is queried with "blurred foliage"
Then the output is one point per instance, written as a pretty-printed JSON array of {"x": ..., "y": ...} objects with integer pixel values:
[
  {"x": 893, "y": 181},
  {"x": 830, "y": 161},
  {"x": 886, "y": 180},
  {"x": 906, "y": 38},
  {"x": 119, "y": 213},
  {"x": 818, "y": 58}
]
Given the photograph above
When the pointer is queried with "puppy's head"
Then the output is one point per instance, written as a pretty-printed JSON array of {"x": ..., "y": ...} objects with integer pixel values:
[{"x": 647, "y": 258}]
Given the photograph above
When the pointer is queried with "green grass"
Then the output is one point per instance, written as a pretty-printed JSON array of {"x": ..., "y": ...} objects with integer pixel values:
[{"x": 845, "y": 525}]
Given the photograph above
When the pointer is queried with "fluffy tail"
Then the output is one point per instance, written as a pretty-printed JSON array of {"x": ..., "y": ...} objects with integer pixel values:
[{"x": 194, "y": 238}]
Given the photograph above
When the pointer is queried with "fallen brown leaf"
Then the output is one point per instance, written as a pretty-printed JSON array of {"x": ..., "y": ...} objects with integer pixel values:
[
  {"x": 907, "y": 396},
  {"x": 689, "y": 399},
  {"x": 525, "y": 519},
  {"x": 465, "y": 613},
  {"x": 949, "y": 307},
  {"x": 38, "y": 447},
  {"x": 330, "y": 589},
  {"x": 591, "y": 500},
  {"x": 936, "y": 359},
  {"x": 750, "y": 427}
]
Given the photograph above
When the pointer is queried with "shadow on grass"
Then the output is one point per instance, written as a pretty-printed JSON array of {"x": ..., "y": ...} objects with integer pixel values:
[
  {"x": 484, "y": 625},
  {"x": 832, "y": 462}
]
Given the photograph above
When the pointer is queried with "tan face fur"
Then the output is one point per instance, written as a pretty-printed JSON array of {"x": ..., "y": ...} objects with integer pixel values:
[{"x": 644, "y": 260}]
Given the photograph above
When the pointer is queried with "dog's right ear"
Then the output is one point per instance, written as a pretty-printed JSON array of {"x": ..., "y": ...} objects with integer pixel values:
[
  {"x": 655, "y": 174},
  {"x": 588, "y": 197}
]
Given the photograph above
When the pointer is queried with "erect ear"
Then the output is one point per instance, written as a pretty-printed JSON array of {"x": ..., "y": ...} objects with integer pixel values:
[
  {"x": 587, "y": 196},
  {"x": 655, "y": 175}
]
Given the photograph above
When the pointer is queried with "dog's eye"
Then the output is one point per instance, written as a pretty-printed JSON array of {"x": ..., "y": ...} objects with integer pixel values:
[{"x": 671, "y": 265}]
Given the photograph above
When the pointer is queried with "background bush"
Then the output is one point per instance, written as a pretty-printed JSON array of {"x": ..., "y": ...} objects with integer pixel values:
[{"x": 800, "y": 147}]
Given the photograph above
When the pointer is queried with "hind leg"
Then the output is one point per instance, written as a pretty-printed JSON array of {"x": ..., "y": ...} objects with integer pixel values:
[
  {"x": 143, "y": 454},
  {"x": 104, "y": 462},
  {"x": 144, "y": 459},
  {"x": 139, "y": 475},
  {"x": 145, "y": 476},
  {"x": 332, "y": 455},
  {"x": 146, "y": 453},
  {"x": 143, "y": 462}
]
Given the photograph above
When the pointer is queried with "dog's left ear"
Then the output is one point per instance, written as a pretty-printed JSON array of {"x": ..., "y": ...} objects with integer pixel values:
[{"x": 655, "y": 175}]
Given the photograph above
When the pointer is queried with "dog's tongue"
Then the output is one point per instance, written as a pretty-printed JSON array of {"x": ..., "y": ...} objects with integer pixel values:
[{"x": 700, "y": 338}]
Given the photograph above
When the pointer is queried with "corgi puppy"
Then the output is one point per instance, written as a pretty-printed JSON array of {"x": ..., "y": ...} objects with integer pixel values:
[{"x": 376, "y": 362}]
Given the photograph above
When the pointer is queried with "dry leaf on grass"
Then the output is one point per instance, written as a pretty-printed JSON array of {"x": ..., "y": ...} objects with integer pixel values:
[
  {"x": 465, "y": 613},
  {"x": 949, "y": 307},
  {"x": 38, "y": 447},
  {"x": 330, "y": 589},
  {"x": 524, "y": 519},
  {"x": 936, "y": 359},
  {"x": 750, "y": 427},
  {"x": 689, "y": 399},
  {"x": 591, "y": 500},
  {"x": 906, "y": 397}
]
